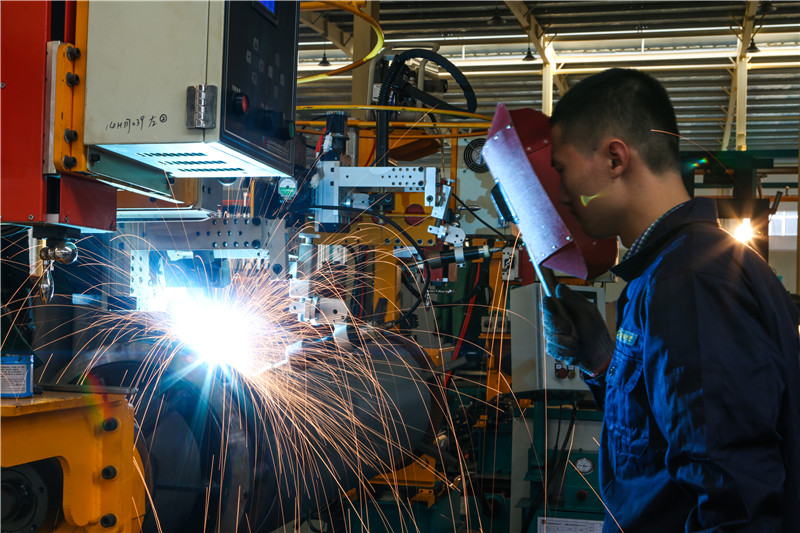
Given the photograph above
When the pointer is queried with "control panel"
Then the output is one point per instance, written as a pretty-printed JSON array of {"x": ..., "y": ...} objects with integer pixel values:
[{"x": 259, "y": 78}]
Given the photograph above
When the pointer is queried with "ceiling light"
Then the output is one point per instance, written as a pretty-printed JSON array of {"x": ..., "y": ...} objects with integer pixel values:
[
  {"x": 766, "y": 7},
  {"x": 528, "y": 55},
  {"x": 496, "y": 19},
  {"x": 752, "y": 49},
  {"x": 324, "y": 62}
]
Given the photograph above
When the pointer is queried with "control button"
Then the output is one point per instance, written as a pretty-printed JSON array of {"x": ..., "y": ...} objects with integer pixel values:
[
  {"x": 261, "y": 65},
  {"x": 255, "y": 44},
  {"x": 240, "y": 103},
  {"x": 254, "y": 78},
  {"x": 269, "y": 71},
  {"x": 561, "y": 371},
  {"x": 582, "y": 495},
  {"x": 248, "y": 56}
]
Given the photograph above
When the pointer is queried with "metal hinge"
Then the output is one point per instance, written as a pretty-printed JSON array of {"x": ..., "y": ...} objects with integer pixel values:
[{"x": 201, "y": 107}]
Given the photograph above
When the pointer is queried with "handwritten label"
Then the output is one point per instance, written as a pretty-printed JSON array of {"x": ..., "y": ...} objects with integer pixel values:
[{"x": 133, "y": 123}]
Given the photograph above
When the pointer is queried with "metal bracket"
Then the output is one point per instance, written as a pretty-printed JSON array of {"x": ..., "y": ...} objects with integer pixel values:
[
  {"x": 338, "y": 185},
  {"x": 201, "y": 107},
  {"x": 450, "y": 234}
]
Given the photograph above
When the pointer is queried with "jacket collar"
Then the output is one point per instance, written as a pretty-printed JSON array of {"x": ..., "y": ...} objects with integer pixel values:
[{"x": 695, "y": 210}]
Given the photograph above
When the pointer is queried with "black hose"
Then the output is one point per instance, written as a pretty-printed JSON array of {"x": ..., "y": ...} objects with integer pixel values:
[
  {"x": 382, "y": 122},
  {"x": 479, "y": 219}
]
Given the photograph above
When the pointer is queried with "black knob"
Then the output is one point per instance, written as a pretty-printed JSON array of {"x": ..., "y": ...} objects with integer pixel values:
[{"x": 239, "y": 103}]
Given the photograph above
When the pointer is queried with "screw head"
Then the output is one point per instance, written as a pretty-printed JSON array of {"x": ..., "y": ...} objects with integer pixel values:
[
  {"x": 109, "y": 472},
  {"x": 110, "y": 424},
  {"x": 73, "y": 53},
  {"x": 30, "y": 217},
  {"x": 69, "y": 161}
]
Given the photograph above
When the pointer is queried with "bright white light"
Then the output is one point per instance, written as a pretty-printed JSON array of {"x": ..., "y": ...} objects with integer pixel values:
[
  {"x": 214, "y": 329},
  {"x": 744, "y": 232}
]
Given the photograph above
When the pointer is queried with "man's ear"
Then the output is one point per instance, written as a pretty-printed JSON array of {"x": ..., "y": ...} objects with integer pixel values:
[{"x": 618, "y": 157}]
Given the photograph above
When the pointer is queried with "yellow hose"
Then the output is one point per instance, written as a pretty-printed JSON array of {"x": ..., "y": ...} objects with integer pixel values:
[{"x": 345, "y": 6}]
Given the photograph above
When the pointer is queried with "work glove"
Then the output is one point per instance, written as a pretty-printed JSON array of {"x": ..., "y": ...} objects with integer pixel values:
[{"x": 575, "y": 332}]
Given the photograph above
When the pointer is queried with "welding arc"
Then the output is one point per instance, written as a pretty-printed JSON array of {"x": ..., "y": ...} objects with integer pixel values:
[{"x": 426, "y": 268}]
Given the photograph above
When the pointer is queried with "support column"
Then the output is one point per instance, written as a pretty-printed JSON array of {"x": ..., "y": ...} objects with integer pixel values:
[
  {"x": 741, "y": 103},
  {"x": 547, "y": 87},
  {"x": 364, "y": 40}
]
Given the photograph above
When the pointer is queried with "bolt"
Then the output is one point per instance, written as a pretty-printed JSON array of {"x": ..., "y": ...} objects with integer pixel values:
[
  {"x": 30, "y": 217},
  {"x": 70, "y": 135},
  {"x": 256, "y": 244},
  {"x": 72, "y": 79},
  {"x": 213, "y": 245},
  {"x": 94, "y": 158},
  {"x": 429, "y": 198},
  {"x": 2, "y": 85},
  {"x": 66, "y": 219},
  {"x": 69, "y": 161},
  {"x": 109, "y": 520},
  {"x": 110, "y": 424},
  {"x": 235, "y": 244},
  {"x": 109, "y": 472},
  {"x": 73, "y": 53}
]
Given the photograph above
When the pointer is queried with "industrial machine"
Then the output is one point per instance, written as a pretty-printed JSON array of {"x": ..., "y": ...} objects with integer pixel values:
[{"x": 233, "y": 334}]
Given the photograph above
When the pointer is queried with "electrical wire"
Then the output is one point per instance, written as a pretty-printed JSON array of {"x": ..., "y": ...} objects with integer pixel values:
[
  {"x": 479, "y": 219},
  {"x": 555, "y": 459}
]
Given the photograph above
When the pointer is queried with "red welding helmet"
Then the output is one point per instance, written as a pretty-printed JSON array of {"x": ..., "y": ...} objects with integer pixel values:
[{"x": 517, "y": 152}]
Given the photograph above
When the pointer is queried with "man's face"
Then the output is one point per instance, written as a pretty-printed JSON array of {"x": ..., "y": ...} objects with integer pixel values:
[{"x": 585, "y": 185}]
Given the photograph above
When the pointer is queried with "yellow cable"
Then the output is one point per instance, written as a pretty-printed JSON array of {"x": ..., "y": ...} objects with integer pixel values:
[
  {"x": 464, "y": 114},
  {"x": 482, "y": 133},
  {"x": 378, "y": 46}
]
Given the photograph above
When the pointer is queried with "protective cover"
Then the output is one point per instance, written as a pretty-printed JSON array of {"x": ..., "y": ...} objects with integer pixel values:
[{"x": 517, "y": 152}]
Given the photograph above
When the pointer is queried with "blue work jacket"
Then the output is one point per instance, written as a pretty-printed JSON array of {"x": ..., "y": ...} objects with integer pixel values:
[{"x": 701, "y": 429}]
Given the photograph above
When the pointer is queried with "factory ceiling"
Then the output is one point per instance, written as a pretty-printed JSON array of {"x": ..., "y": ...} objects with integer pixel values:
[{"x": 696, "y": 48}]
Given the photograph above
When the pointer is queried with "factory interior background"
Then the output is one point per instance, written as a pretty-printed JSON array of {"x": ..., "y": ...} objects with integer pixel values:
[{"x": 257, "y": 274}]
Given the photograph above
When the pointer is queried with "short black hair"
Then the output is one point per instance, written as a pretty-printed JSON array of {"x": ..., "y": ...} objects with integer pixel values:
[{"x": 625, "y": 103}]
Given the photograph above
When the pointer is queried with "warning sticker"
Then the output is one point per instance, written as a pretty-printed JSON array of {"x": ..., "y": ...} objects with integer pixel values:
[
  {"x": 14, "y": 379},
  {"x": 569, "y": 525}
]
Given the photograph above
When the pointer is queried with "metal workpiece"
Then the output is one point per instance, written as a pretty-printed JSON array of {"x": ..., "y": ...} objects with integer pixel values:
[{"x": 201, "y": 106}]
